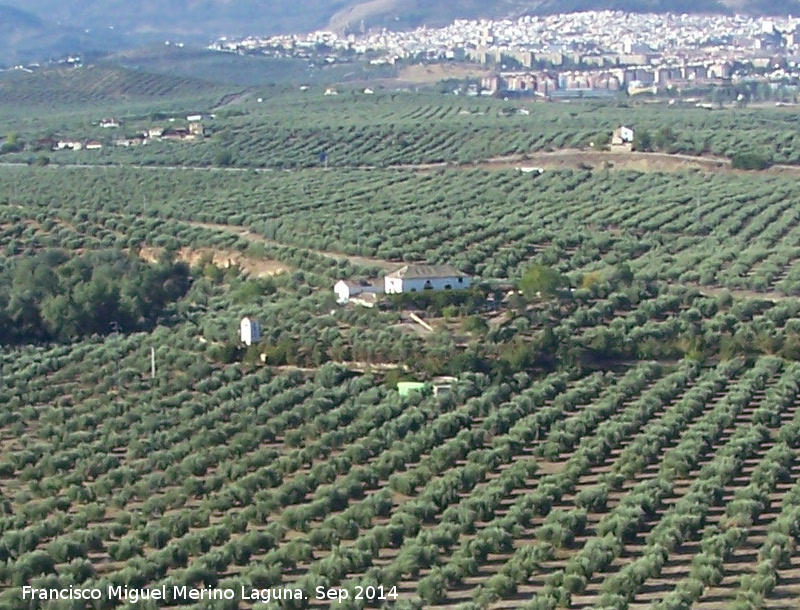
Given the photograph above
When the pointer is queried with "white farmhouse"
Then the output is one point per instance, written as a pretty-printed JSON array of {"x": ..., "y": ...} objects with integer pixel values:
[
  {"x": 346, "y": 290},
  {"x": 623, "y": 135},
  {"x": 249, "y": 331},
  {"x": 413, "y": 278}
]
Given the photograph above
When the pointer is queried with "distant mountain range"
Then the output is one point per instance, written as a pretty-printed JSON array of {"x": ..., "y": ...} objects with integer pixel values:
[
  {"x": 25, "y": 37},
  {"x": 36, "y": 29}
]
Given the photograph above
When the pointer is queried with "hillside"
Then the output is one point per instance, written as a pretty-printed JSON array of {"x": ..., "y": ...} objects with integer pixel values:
[
  {"x": 410, "y": 13},
  {"x": 20, "y": 30},
  {"x": 99, "y": 86},
  {"x": 190, "y": 18},
  {"x": 27, "y": 35},
  {"x": 621, "y": 432},
  {"x": 193, "y": 61},
  {"x": 40, "y": 29}
]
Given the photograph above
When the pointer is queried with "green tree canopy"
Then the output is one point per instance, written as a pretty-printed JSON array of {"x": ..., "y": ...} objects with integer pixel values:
[
  {"x": 50, "y": 296},
  {"x": 543, "y": 281}
]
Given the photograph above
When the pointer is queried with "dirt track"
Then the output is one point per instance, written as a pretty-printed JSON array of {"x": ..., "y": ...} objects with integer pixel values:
[
  {"x": 591, "y": 159},
  {"x": 571, "y": 158},
  {"x": 255, "y": 237},
  {"x": 559, "y": 159}
]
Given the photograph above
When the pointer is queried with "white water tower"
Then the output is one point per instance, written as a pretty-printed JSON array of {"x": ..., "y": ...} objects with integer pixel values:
[{"x": 249, "y": 331}]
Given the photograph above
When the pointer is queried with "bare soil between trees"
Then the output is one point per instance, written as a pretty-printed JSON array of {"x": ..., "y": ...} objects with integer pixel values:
[
  {"x": 576, "y": 158},
  {"x": 255, "y": 267}
]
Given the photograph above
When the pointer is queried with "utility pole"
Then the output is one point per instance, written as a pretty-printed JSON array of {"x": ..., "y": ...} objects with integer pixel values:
[
  {"x": 115, "y": 328},
  {"x": 152, "y": 363}
]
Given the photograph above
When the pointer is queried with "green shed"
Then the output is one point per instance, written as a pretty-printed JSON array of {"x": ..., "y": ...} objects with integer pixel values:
[{"x": 404, "y": 387}]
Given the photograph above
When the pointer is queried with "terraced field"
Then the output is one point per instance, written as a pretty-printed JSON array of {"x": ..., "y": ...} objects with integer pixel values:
[
  {"x": 620, "y": 488},
  {"x": 624, "y": 438},
  {"x": 291, "y": 126},
  {"x": 720, "y": 232}
]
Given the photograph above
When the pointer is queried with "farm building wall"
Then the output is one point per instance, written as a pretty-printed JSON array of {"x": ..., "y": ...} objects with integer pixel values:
[{"x": 396, "y": 285}]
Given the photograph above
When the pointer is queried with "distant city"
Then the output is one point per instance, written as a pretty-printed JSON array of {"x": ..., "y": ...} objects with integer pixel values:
[{"x": 590, "y": 53}]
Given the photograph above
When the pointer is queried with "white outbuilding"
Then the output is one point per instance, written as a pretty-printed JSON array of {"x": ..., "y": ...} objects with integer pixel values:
[
  {"x": 249, "y": 331},
  {"x": 622, "y": 136},
  {"x": 346, "y": 290},
  {"x": 416, "y": 278}
]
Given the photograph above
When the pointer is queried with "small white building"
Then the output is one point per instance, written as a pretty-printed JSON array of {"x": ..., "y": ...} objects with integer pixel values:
[
  {"x": 622, "y": 136},
  {"x": 249, "y": 331},
  {"x": 346, "y": 290},
  {"x": 69, "y": 145},
  {"x": 414, "y": 278}
]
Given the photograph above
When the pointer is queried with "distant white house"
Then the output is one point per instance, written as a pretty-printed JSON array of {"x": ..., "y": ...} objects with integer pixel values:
[
  {"x": 69, "y": 145},
  {"x": 135, "y": 141},
  {"x": 346, "y": 290},
  {"x": 331, "y": 91},
  {"x": 622, "y": 136},
  {"x": 194, "y": 117},
  {"x": 249, "y": 331},
  {"x": 413, "y": 278}
]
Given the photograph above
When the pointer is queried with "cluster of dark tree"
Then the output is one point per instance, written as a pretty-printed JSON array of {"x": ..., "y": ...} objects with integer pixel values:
[
  {"x": 542, "y": 352},
  {"x": 441, "y": 302},
  {"x": 11, "y": 144},
  {"x": 52, "y": 296},
  {"x": 750, "y": 160},
  {"x": 742, "y": 94},
  {"x": 608, "y": 346},
  {"x": 663, "y": 140}
]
